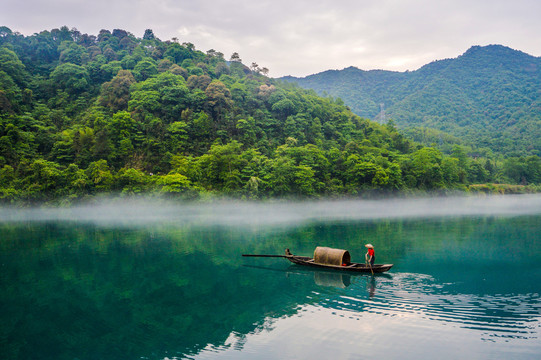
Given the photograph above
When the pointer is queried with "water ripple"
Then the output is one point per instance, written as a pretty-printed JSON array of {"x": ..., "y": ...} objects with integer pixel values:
[{"x": 504, "y": 315}]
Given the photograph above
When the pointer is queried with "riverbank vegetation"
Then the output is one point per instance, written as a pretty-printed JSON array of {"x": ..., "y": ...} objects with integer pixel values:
[{"x": 82, "y": 115}]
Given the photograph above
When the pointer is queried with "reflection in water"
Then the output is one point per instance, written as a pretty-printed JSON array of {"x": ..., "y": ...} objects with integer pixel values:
[
  {"x": 330, "y": 279},
  {"x": 415, "y": 315},
  {"x": 458, "y": 288},
  {"x": 508, "y": 316},
  {"x": 371, "y": 285},
  {"x": 321, "y": 277},
  {"x": 495, "y": 317},
  {"x": 512, "y": 316}
]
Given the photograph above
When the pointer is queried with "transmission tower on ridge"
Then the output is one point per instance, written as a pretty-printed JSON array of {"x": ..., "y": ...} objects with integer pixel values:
[{"x": 381, "y": 113}]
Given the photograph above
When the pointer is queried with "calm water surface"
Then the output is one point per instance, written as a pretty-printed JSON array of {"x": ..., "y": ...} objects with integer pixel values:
[{"x": 93, "y": 288}]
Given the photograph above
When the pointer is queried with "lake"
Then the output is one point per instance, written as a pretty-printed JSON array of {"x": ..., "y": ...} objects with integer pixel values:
[{"x": 147, "y": 280}]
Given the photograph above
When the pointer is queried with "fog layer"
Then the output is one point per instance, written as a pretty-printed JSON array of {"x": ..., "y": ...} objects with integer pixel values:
[{"x": 233, "y": 213}]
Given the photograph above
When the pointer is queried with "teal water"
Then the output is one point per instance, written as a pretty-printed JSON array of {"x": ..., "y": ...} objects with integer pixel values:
[{"x": 95, "y": 288}]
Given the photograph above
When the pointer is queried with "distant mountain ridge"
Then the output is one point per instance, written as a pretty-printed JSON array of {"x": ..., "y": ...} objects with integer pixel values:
[{"x": 489, "y": 97}]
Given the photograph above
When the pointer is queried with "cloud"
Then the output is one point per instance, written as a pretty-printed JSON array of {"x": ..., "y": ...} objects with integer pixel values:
[{"x": 302, "y": 37}]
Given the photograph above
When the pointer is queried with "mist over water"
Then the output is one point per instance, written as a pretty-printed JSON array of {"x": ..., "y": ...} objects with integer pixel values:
[
  {"x": 149, "y": 279},
  {"x": 234, "y": 213}
]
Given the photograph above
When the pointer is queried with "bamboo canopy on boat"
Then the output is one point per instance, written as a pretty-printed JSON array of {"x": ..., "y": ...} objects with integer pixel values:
[{"x": 329, "y": 256}]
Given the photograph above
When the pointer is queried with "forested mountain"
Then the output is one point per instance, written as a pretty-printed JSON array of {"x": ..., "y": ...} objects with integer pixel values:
[
  {"x": 489, "y": 97},
  {"x": 82, "y": 115}
]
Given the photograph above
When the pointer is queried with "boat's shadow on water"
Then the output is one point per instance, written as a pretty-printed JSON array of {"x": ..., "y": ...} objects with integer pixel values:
[{"x": 327, "y": 278}]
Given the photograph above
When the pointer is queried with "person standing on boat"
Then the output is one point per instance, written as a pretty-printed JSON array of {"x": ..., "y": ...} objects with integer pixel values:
[{"x": 370, "y": 254}]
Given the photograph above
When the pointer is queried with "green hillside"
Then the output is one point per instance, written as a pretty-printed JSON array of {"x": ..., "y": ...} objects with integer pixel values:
[
  {"x": 84, "y": 115},
  {"x": 488, "y": 98}
]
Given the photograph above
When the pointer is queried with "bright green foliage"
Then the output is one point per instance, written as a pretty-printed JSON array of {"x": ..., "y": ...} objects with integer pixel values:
[
  {"x": 83, "y": 115},
  {"x": 131, "y": 181},
  {"x": 70, "y": 78},
  {"x": 43, "y": 179},
  {"x": 173, "y": 184},
  {"x": 145, "y": 69},
  {"x": 100, "y": 175},
  {"x": 12, "y": 66},
  {"x": 77, "y": 182},
  {"x": 425, "y": 166}
]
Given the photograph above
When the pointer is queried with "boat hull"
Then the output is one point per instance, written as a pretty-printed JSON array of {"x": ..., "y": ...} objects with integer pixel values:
[{"x": 353, "y": 267}]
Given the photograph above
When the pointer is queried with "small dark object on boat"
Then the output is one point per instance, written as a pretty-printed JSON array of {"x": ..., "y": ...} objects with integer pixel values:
[{"x": 328, "y": 258}]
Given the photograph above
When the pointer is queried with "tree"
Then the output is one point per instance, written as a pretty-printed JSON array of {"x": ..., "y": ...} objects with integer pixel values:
[
  {"x": 173, "y": 184},
  {"x": 477, "y": 173},
  {"x": 201, "y": 129},
  {"x": 115, "y": 94},
  {"x": 450, "y": 171},
  {"x": 77, "y": 181},
  {"x": 177, "y": 53},
  {"x": 122, "y": 126},
  {"x": 199, "y": 82},
  {"x": 119, "y": 33},
  {"x": 131, "y": 181},
  {"x": 279, "y": 176},
  {"x": 218, "y": 98},
  {"x": 285, "y": 178},
  {"x": 425, "y": 168},
  {"x": 247, "y": 131},
  {"x": 304, "y": 180},
  {"x": 145, "y": 69},
  {"x": 533, "y": 169},
  {"x": 164, "y": 97},
  {"x": 8, "y": 179},
  {"x": 104, "y": 35},
  {"x": 10, "y": 94},
  {"x": 100, "y": 175},
  {"x": 71, "y": 78},
  {"x": 149, "y": 35},
  {"x": 5, "y": 32},
  {"x": 361, "y": 172},
  {"x": 176, "y": 137},
  {"x": 15, "y": 143},
  {"x": 235, "y": 57},
  {"x": 12, "y": 66},
  {"x": 70, "y": 52},
  {"x": 44, "y": 178},
  {"x": 221, "y": 167}
]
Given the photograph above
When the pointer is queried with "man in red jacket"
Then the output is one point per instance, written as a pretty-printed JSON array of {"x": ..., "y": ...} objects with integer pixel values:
[{"x": 370, "y": 254}]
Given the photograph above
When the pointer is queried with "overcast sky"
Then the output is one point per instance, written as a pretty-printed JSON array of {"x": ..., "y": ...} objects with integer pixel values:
[{"x": 301, "y": 37}]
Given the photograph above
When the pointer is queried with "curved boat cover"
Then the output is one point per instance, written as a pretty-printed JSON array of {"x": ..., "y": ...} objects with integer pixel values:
[{"x": 329, "y": 256}]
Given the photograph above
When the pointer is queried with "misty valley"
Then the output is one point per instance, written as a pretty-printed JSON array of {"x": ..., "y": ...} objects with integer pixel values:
[{"x": 150, "y": 280}]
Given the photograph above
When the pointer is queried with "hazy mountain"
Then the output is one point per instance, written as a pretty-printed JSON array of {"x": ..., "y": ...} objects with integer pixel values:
[{"x": 490, "y": 96}]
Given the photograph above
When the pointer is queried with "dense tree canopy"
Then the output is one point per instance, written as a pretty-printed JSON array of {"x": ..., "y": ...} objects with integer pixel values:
[
  {"x": 83, "y": 115},
  {"x": 488, "y": 98}
]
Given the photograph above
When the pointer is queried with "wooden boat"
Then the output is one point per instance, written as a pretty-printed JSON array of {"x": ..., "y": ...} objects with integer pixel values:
[
  {"x": 332, "y": 259},
  {"x": 355, "y": 267}
]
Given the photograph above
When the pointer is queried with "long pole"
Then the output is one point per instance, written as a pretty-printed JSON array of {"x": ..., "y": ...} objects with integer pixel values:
[
  {"x": 369, "y": 263},
  {"x": 262, "y": 255}
]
